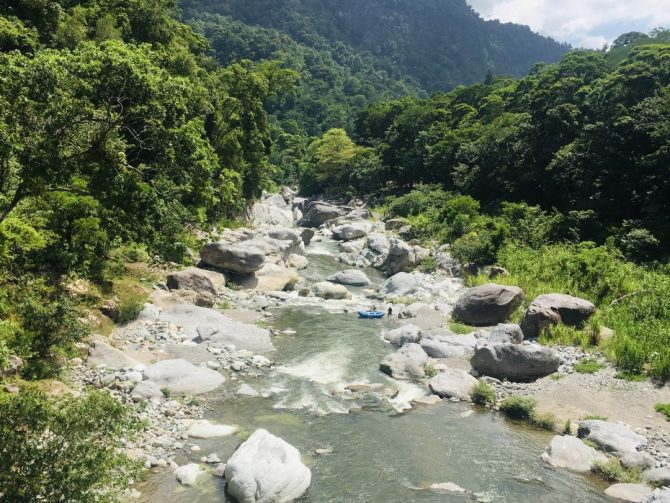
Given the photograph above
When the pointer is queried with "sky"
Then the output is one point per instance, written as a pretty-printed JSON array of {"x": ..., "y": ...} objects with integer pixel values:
[{"x": 582, "y": 23}]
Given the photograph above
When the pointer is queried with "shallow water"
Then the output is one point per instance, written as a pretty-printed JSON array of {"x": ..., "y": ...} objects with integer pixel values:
[{"x": 378, "y": 454}]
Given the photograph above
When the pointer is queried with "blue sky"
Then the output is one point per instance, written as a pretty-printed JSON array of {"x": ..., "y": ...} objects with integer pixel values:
[{"x": 582, "y": 23}]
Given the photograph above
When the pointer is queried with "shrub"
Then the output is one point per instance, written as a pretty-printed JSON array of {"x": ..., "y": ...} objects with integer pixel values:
[
  {"x": 545, "y": 421},
  {"x": 428, "y": 265},
  {"x": 63, "y": 449},
  {"x": 567, "y": 427},
  {"x": 588, "y": 366},
  {"x": 614, "y": 471},
  {"x": 518, "y": 407},
  {"x": 664, "y": 408},
  {"x": 483, "y": 394},
  {"x": 430, "y": 370}
]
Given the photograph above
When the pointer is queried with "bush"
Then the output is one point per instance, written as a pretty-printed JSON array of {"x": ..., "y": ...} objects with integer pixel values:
[
  {"x": 483, "y": 394},
  {"x": 614, "y": 471},
  {"x": 518, "y": 407},
  {"x": 63, "y": 449}
]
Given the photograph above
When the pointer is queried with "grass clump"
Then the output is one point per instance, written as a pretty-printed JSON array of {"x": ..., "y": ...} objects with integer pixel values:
[
  {"x": 567, "y": 427},
  {"x": 460, "y": 328},
  {"x": 518, "y": 407},
  {"x": 630, "y": 376},
  {"x": 483, "y": 394},
  {"x": 545, "y": 421},
  {"x": 614, "y": 471},
  {"x": 664, "y": 408},
  {"x": 594, "y": 417},
  {"x": 430, "y": 370},
  {"x": 588, "y": 366}
]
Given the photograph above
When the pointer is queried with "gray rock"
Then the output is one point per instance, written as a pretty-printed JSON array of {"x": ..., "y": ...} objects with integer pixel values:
[
  {"x": 198, "y": 280},
  {"x": 488, "y": 304},
  {"x": 399, "y": 284},
  {"x": 408, "y": 362},
  {"x": 208, "y": 325},
  {"x": 270, "y": 212},
  {"x": 611, "y": 437},
  {"x": 448, "y": 346},
  {"x": 318, "y": 213},
  {"x": 327, "y": 290},
  {"x": 402, "y": 335},
  {"x": 246, "y": 390},
  {"x": 243, "y": 258},
  {"x": 102, "y": 354},
  {"x": 515, "y": 362},
  {"x": 350, "y": 231},
  {"x": 307, "y": 235},
  {"x": 146, "y": 390},
  {"x": 658, "y": 496},
  {"x": 352, "y": 277},
  {"x": 204, "y": 429},
  {"x": 298, "y": 262},
  {"x": 572, "y": 454},
  {"x": 400, "y": 257},
  {"x": 188, "y": 474},
  {"x": 657, "y": 476},
  {"x": 453, "y": 383},
  {"x": 639, "y": 460},
  {"x": 182, "y": 377},
  {"x": 552, "y": 309},
  {"x": 413, "y": 311},
  {"x": 507, "y": 333},
  {"x": 395, "y": 224},
  {"x": 219, "y": 471},
  {"x": 633, "y": 493},
  {"x": 271, "y": 278},
  {"x": 266, "y": 469}
]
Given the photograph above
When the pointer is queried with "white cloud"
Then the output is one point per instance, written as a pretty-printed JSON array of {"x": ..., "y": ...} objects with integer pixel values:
[{"x": 583, "y": 23}]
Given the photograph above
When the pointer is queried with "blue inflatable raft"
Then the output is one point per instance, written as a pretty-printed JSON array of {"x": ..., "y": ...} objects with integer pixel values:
[{"x": 371, "y": 314}]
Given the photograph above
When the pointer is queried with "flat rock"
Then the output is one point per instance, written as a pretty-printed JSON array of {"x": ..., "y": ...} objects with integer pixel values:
[
  {"x": 552, "y": 309},
  {"x": 611, "y": 437},
  {"x": 571, "y": 453},
  {"x": 488, "y": 304},
  {"x": 146, "y": 390},
  {"x": 271, "y": 278},
  {"x": 453, "y": 383},
  {"x": 350, "y": 277},
  {"x": 408, "y": 362},
  {"x": 658, "y": 496},
  {"x": 246, "y": 390},
  {"x": 448, "y": 346},
  {"x": 516, "y": 362},
  {"x": 266, "y": 469},
  {"x": 402, "y": 335},
  {"x": 202, "y": 428},
  {"x": 634, "y": 493},
  {"x": 197, "y": 280},
  {"x": 182, "y": 377},
  {"x": 102, "y": 354}
]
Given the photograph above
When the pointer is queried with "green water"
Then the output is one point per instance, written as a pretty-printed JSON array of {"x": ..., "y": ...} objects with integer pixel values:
[{"x": 378, "y": 454}]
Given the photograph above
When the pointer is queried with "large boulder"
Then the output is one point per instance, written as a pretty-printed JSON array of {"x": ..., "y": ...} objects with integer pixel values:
[
  {"x": 188, "y": 474},
  {"x": 243, "y": 258},
  {"x": 204, "y": 429},
  {"x": 403, "y": 335},
  {"x": 351, "y": 277},
  {"x": 270, "y": 212},
  {"x": 400, "y": 257},
  {"x": 633, "y": 493},
  {"x": 182, "y": 377},
  {"x": 318, "y": 213},
  {"x": 448, "y": 346},
  {"x": 198, "y": 280},
  {"x": 101, "y": 354},
  {"x": 351, "y": 231},
  {"x": 307, "y": 235},
  {"x": 327, "y": 290},
  {"x": 395, "y": 224},
  {"x": 266, "y": 469},
  {"x": 515, "y": 362},
  {"x": 506, "y": 333},
  {"x": 611, "y": 437},
  {"x": 552, "y": 309},
  {"x": 408, "y": 362},
  {"x": 488, "y": 304},
  {"x": 453, "y": 383},
  {"x": 208, "y": 325},
  {"x": 399, "y": 284},
  {"x": 657, "y": 476},
  {"x": 572, "y": 454},
  {"x": 271, "y": 278}
]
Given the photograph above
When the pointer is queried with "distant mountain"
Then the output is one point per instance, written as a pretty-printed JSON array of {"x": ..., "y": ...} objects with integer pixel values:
[{"x": 438, "y": 43}]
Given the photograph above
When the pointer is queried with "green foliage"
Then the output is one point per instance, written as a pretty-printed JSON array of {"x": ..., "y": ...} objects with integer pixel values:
[
  {"x": 63, "y": 449},
  {"x": 518, "y": 407},
  {"x": 567, "y": 427},
  {"x": 428, "y": 265},
  {"x": 430, "y": 370},
  {"x": 483, "y": 394},
  {"x": 663, "y": 408},
  {"x": 460, "y": 329},
  {"x": 594, "y": 417},
  {"x": 545, "y": 421},
  {"x": 614, "y": 471},
  {"x": 588, "y": 366}
]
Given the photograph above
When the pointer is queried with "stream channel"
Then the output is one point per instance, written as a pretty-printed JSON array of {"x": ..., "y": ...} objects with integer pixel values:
[{"x": 379, "y": 454}]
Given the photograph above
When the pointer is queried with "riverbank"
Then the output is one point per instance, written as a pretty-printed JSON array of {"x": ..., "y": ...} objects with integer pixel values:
[{"x": 235, "y": 331}]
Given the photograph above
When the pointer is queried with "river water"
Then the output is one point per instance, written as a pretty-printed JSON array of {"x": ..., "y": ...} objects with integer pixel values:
[{"x": 378, "y": 453}]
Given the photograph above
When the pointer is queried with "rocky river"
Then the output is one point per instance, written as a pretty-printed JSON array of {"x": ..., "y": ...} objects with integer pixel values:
[{"x": 329, "y": 407}]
